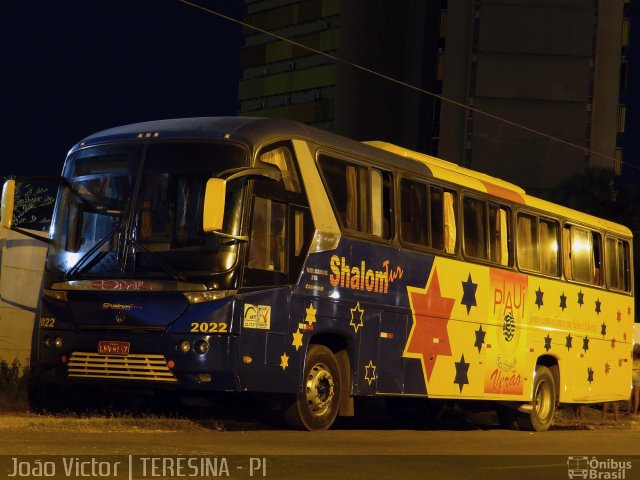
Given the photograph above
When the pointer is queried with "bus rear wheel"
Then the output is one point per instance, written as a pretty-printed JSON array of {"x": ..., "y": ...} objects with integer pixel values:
[
  {"x": 316, "y": 407},
  {"x": 543, "y": 402}
]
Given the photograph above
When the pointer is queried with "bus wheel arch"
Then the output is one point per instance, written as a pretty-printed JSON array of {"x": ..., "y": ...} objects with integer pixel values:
[
  {"x": 318, "y": 403},
  {"x": 538, "y": 415}
]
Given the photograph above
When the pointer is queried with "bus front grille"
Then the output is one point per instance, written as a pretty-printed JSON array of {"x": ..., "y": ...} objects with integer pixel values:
[{"x": 146, "y": 367}]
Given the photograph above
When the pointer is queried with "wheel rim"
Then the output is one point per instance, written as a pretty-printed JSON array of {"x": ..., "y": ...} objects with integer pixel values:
[
  {"x": 319, "y": 389},
  {"x": 542, "y": 400}
]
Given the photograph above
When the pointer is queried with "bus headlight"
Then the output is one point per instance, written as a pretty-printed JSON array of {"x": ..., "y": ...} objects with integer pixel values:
[
  {"x": 47, "y": 341},
  {"x": 208, "y": 296},
  {"x": 201, "y": 347},
  {"x": 184, "y": 346},
  {"x": 58, "y": 342},
  {"x": 59, "y": 295}
]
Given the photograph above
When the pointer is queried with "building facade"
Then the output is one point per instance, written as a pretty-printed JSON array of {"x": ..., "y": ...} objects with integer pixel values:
[{"x": 552, "y": 66}]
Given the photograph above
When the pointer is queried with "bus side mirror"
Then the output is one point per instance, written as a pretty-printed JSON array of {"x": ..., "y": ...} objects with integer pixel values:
[
  {"x": 8, "y": 198},
  {"x": 214, "y": 198}
]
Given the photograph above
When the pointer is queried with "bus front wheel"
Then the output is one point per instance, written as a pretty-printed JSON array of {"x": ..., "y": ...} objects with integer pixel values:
[
  {"x": 316, "y": 406},
  {"x": 543, "y": 402}
]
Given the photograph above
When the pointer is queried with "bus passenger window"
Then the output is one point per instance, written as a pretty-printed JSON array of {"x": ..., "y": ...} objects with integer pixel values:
[
  {"x": 597, "y": 258},
  {"x": 549, "y": 247},
  {"x": 566, "y": 253},
  {"x": 437, "y": 218},
  {"x": 267, "y": 250},
  {"x": 585, "y": 255},
  {"x": 617, "y": 264},
  {"x": 361, "y": 196},
  {"x": 499, "y": 235},
  {"x": 414, "y": 213},
  {"x": 528, "y": 257},
  {"x": 283, "y": 159},
  {"x": 475, "y": 224}
]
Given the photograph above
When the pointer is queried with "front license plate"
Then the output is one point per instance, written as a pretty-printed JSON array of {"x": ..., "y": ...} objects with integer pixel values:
[{"x": 113, "y": 348}]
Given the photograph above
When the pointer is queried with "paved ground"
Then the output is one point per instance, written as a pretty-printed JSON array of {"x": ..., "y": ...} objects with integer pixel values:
[{"x": 462, "y": 445}]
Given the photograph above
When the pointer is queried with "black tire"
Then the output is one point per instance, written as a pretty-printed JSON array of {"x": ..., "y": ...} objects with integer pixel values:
[
  {"x": 543, "y": 402},
  {"x": 317, "y": 406}
]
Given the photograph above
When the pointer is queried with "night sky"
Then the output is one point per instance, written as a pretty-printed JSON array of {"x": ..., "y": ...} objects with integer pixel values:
[{"x": 73, "y": 67}]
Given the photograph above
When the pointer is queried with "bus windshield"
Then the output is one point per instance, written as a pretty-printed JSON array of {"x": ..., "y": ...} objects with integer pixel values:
[{"x": 128, "y": 209}]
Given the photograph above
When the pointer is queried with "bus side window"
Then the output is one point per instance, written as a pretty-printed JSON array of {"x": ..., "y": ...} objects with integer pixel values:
[
  {"x": 566, "y": 253},
  {"x": 617, "y": 264},
  {"x": 282, "y": 159},
  {"x": 596, "y": 242},
  {"x": 585, "y": 258},
  {"x": 267, "y": 250},
  {"x": 528, "y": 254},
  {"x": 361, "y": 196},
  {"x": 548, "y": 232},
  {"x": 499, "y": 234},
  {"x": 538, "y": 244},
  {"x": 414, "y": 212},
  {"x": 475, "y": 227}
]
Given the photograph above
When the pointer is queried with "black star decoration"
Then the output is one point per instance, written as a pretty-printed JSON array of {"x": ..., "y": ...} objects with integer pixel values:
[
  {"x": 547, "y": 343},
  {"x": 539, "y": 295},
  {"x": 563, "y": 301},
  {"x": 585, "y": 344},
  {"x": 480, "y": 334},
  {"x": 580, "y": 298},
  {"x": 568, "y": 342},
  {"x": 469, "y": 296},
  {"x": 598, "y": 303},
  {"x": 462, "y": 368},
  {"x": 603, "y": 329},
  {"x": 589, "y": 375}
]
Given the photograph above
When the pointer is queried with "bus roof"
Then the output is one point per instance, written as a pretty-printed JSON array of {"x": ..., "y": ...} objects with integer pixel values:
[
  {"x": 472, "y": 179},
  {"x": 258, "y": 131},
  {"x": 254, "y": 131}
]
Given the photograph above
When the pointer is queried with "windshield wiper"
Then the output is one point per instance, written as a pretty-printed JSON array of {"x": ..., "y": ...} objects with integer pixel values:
[
  {"x": 166, "y": 265},
  {"x": 84, "y": 261}
]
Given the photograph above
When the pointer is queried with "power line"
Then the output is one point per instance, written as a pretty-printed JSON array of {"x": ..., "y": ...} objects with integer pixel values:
[{"x": 404, "y": 84}]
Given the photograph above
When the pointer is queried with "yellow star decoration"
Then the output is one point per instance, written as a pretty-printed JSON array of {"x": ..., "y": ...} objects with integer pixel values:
[
  {"x": 372, "y": 367},
  {"x": 297, "y": 340},
  {"x": 356, "y": 320},
  {"x": 284, "y": 360},
  {"x": 311, "y": 315}
]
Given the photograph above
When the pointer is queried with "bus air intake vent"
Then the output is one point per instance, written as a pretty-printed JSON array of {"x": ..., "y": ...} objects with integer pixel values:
[{"x": 145, "y": 367}]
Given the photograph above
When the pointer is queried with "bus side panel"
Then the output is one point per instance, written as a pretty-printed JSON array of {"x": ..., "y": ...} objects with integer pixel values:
[{"x": 266, "y": 363}]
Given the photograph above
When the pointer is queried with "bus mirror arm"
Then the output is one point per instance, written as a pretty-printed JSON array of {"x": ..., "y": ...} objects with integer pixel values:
[{"x": 216, "y": 192}]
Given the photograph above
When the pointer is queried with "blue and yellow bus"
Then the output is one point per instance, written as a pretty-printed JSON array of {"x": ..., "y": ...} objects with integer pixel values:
[{"x": 263, "y": 255}]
